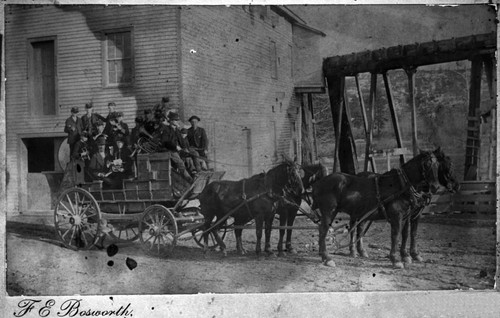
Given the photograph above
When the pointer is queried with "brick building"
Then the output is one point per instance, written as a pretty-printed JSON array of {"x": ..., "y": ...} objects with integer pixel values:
[{"x": 247, "y": 71}]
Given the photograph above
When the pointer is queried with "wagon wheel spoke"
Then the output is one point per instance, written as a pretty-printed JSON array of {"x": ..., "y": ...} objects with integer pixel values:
[
  {"x": 71, "y": 204},
  {"x": 64, "y": 205}
]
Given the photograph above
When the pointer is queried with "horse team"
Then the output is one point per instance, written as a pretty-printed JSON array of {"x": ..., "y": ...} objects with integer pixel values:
[{"x": 397, "y": 196}]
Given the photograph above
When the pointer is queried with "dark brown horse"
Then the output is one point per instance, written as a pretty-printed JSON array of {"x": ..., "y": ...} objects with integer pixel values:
[
  {"x": 254, "y": 198},
  {"x": 409, "y": 206},
  {"x": 288, "y": 212},
  {"x": 360, "y": 197}
]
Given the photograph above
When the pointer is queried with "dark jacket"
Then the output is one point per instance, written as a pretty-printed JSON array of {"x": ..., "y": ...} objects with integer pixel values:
[
  {"x": 98, "y": 165},
  {"x": 198, "y": 139},
  {"x": 73, "y": 134},
  {"x": 90, "y": 124},
  {"x": 170, "y": 138},
  {"x": 80, "y": 147}
]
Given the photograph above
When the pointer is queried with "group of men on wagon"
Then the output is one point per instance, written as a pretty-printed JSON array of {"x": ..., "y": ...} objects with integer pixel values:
[{"x": 108, "y": 147}]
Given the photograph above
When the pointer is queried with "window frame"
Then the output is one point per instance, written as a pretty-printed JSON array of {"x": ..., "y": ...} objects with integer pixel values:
[
  {"x": 29, "y": 68},
  {"x": 273, "y": 59},
  {"x": 104, "y": 58}
]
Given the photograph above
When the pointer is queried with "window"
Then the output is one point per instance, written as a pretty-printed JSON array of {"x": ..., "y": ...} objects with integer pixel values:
[
  {"x": 42, "y": 76},
  {"x": 274, "y": 60},
  {"x": 118, "y": 58}
]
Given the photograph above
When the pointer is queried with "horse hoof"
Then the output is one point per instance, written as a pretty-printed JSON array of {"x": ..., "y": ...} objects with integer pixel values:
[
  {"x": 407, "y": 260},
  {"x": 281, "y": 254},
  {"x": 271, "y": 254},
  {"x": 353, "y": 254},
  {"x": 417, "y": 258},
  {"x": 398, "y": 265},
  {"x": 291, "y": 250},
  {"x": 330, "y": 263},
  {"x": 364, "y": 254}
]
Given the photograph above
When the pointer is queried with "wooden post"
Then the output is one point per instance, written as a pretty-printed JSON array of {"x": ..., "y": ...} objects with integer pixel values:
[
  {"x": 394, "y": 116},
  {"x": 313, "y": 122},
  {"x": 410, "y": 72},
  {"x": 473, "y": 135},
  {"x": 338, "y": 127},
  {"x": 344, "y": 141},
  {"x": 369, "y": 136},
  {"x": 365, "y": 123}
]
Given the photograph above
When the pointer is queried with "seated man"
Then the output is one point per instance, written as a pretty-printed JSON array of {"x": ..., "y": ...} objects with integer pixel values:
[
  {"x": 100, "y": 167},
  {"x": 82, "y": 152},
  {"x": 189, "y": 154},
  {"x": 171, "y": 142},
  {"x": 122, "y": 161},
  {"x": 99, "y": 133},
  {"x": 197, "y": 138}
]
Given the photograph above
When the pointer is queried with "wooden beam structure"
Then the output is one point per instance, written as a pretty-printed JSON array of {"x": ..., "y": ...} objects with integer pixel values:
[
  {"x": 410, "y": 72},
  {"x": 369, "y": 137},
  {"x": 345, "y": 154},
  {"x": 394, "y": 116},
  {"x": 418, "y": 54}
]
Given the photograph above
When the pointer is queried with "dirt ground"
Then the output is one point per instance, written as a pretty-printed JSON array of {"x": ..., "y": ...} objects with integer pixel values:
[{"x": 459, "y": 253}]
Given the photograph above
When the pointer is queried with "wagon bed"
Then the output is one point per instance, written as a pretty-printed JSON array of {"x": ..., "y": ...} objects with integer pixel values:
[{"x": 157, "y": 199}]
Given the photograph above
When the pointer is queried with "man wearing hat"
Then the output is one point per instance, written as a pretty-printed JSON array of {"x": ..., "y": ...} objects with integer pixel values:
[
  {"x": 197, "y": 138},
  {"x": 171, "y": 140},
  {"x": 116, "y": 126},
  {"x": 99, "y": 133},
  {"x": 123, "y": 154},
  {"x": 90, "y": 119},
  {"x": 81, "y": 151},
  {"x": 73, "y": 127},
  {"x": 100, "y": 166}
]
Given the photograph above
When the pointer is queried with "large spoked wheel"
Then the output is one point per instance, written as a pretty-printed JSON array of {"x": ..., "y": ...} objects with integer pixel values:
[
  {"x": 158, "y": 230},
  {"x": 77, "y": 219}
]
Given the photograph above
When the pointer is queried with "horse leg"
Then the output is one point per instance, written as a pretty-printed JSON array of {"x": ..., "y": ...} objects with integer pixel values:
[
  {"x": 395, "y": 232},
  {"x": 258, "y": 232},
  {"x": 218, "y": 239},
  {"x": 208, "y": 222},
  {"x": 360, "y": 233},
  {"x": 283, "y": 219},
  {"x": 352, "y": 238},
  {"x": 323, "y": 230},
  {"x": 404, "y": 238},
  {"x": 413, "y": 240},
  {"x": 239, "y": 245},
  {"x": 292, "y": 213},
  {"x": 267, "y": 233}
]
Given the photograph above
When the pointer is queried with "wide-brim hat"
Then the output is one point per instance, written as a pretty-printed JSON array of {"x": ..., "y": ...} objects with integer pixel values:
[
  {"x": 101, "y": 141},
  {"x": 139, "y": 120},
  {"x": 120, "y": 137},
  {"x": 74, "y": 110},
  {"x": 88, "y": 105},
  {"x": 85, "y": 134},
  {"x": 173, "y": 116},
  {"x": 194, "y": 117}
]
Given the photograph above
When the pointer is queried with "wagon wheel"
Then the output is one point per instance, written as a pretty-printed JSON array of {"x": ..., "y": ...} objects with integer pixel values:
[
  {"x": 158, "y": 230},
  {"x": 77, "y": 219}
]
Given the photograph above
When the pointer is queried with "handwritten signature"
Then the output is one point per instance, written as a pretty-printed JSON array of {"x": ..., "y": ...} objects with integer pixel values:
[{"x": 68, "y": 308}]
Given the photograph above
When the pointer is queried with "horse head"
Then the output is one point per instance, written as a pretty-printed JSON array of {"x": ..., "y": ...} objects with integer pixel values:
[
  {"x": 445, "y": 172},
  {"x": 313, "y": 173},
  {"x": 287, "y": 176},
  {"x": 423, "y": 169}
]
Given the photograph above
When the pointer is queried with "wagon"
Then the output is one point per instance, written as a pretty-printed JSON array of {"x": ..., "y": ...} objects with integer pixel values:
[{"x": 157, "y": 207}]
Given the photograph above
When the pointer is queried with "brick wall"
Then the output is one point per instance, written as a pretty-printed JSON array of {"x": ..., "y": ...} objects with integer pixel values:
[{"x": 226, "y": 80}]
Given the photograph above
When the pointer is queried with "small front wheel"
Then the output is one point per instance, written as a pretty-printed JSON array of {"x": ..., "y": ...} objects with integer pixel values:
[{"x": 158, "y": 230}]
